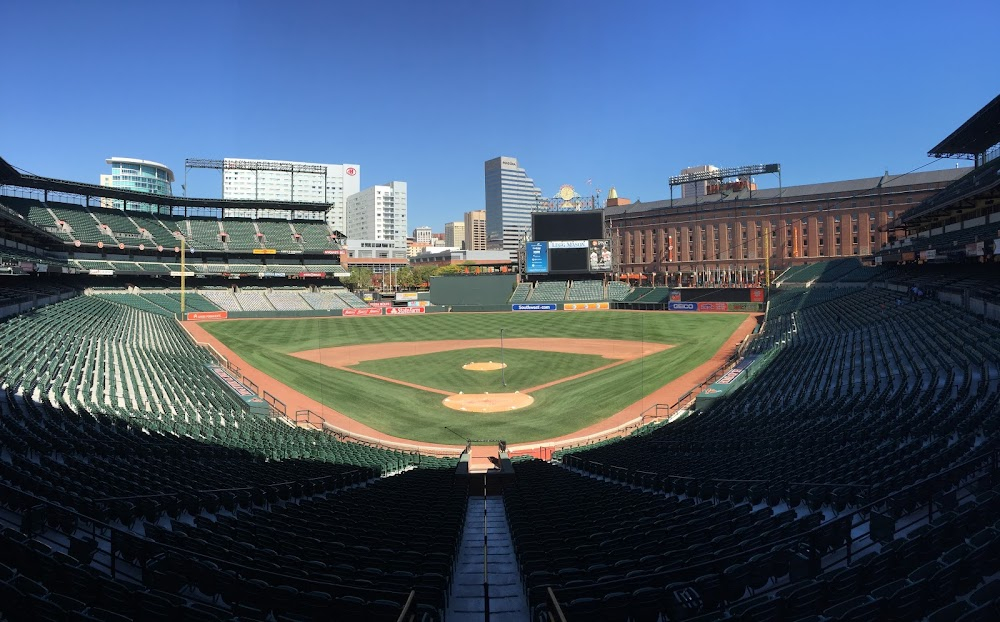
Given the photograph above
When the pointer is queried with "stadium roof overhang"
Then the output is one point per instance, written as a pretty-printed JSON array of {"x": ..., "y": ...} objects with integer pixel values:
[
  {"x": 973, "y": 137},
  {"x": 977, "y": 190},
  {"x": 11, "y": 176}
]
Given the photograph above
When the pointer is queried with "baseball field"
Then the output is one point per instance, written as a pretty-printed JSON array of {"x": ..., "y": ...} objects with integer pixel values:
[{"x": 413, "y": 377}]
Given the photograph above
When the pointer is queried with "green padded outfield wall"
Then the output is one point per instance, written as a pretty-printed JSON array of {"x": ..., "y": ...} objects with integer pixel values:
[{"x": 472, "y": 290}]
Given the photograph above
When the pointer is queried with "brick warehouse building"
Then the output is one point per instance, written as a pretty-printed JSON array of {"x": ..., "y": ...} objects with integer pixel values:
[{"x": 719, "y": 237}]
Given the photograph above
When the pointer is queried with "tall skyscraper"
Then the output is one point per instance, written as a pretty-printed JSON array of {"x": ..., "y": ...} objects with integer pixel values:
[
  {"x": 141, "y": 175},
  {"x": 281, "y": 180},
  {"x": 510, "y": 197},
  {"x": 696, "y": 188},
  {"x": 378, "y": 213},
  {"x": 475, "y": 230},
  {"x": 454, "y": 234}
]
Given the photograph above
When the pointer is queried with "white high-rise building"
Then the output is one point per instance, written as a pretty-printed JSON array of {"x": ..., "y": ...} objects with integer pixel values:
[
  {"x": 281, "y": 180},
  {"x": 378, "y": 213},
  {"x": 696, "y": 188},
  {"x": 510, "y": 198}
]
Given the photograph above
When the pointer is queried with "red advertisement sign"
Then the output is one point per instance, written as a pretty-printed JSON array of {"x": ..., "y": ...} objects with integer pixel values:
[
  {"x": 333, "y": 252},
  {"x": 403, "y": 310},
  {"x": 712, "y": 306},
  {"x": 370, "y": 311},
  {"x": 208, "y": 315},
  {"x": 756, "y": 295}
]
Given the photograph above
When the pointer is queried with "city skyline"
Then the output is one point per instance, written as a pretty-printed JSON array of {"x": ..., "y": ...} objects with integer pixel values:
[{"x": 437, "y": 93}]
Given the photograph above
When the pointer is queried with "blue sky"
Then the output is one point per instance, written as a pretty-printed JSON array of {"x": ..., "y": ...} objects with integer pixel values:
[{"x": 623, "y": 93}]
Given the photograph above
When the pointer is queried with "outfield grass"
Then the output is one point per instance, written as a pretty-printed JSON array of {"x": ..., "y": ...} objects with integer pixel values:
[
  {"x": 419, "y": 415},
  {"x": 443, "y": 370}
]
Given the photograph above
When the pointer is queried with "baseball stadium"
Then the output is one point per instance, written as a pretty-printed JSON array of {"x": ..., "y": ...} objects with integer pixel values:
[{"x": 203, "y": 418}]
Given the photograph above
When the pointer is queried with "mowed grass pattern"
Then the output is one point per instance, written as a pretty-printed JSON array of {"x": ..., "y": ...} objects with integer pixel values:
[
  {"x": 418, "y": 415},
  {"x": 443, "y": 370}
]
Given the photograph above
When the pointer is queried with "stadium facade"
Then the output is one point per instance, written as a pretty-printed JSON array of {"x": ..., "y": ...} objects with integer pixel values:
[
  {"x": 710, "y": 238},
  {"x": 281, "y": 180},
  {"x": 138, "y": 175},
  {"x": 510, "y": 197}
]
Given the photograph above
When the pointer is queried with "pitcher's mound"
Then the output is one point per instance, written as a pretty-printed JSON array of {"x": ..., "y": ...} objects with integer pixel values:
[
  {"x": 490, "y": 366},
  {"x": 488, "y": 402}
]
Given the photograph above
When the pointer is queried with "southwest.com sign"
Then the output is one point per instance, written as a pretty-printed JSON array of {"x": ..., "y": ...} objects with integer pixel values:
[{"x": 528, "y": 307}]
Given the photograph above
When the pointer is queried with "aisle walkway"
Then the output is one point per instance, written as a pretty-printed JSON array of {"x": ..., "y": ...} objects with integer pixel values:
[{"x": 507, "y": 599}]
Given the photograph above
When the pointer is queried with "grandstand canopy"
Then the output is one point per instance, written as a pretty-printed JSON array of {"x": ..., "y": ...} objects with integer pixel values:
[
  {"x": 11, "y": 176},
  {"x": 974, "y": 137}
]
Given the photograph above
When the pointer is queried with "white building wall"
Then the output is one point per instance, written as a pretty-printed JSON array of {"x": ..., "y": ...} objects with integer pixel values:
[{"x": 342, "y": 180}]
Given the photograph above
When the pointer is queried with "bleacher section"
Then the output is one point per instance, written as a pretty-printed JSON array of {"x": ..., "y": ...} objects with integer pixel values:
[
  {"x": 241, "y": 235},
  {"x": 202, "y": 234},
  {"x": 548, "y": 291},
  {"x": 618, "y": 291},
  {"x": 590, "y": 291},
  {"x": 521, "y": 292},
  {"x": 288, "y": 299},
  {"x": 859, "y": 394},
  {"x": 278, "y": 235}
]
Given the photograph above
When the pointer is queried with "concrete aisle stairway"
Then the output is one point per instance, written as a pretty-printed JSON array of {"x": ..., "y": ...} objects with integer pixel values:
[{"x": 507, "y": 601}]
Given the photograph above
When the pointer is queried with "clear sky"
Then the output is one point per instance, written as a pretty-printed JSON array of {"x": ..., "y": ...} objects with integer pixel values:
[{"x": 621, "y": 93}]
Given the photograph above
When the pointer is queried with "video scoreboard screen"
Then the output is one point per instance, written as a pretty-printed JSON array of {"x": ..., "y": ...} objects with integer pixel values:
[{"x": 568, "y": 242}]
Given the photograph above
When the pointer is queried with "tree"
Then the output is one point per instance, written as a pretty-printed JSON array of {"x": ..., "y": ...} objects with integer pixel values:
[
  {"x": 406, "y": 278},
  {"x": 360, "y": 279},
  {"x": 423, "y": 274}
]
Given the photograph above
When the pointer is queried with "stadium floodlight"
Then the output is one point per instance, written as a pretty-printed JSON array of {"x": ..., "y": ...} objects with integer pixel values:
[{"x": 725, "y": 173}]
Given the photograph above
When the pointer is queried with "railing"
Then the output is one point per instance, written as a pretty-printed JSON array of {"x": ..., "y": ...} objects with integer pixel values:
[
  {"x": 308, "y": 416},
  {"x": 275, "y": 404},
  {"x": 983, "y": 467}
]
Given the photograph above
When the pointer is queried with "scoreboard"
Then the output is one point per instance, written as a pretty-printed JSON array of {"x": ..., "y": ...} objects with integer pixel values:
[{"x": 568, "y": 243}]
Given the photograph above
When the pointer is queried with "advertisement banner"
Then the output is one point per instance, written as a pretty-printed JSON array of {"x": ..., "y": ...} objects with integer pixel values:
[
  {"x": 712, "y": 306},
  {"x": 547, "y": 306},
  {"x": 682, "y": 306},
  {"x": 675, "y": 296},
  {"x": 568, "y": 244},
  {"x": 110, "y": 272},
  {"x": 757, "y": 294},
  {"x": 878, "y": 260},
  {"x": 417, "y": 303},
  {"x": 406, "y": 295},
  {"x": 585, "y": 306},
  {"x": 369, "y": 311},
  {"x": 974, "y": 250},
  {"x": 600, "y": 256},
  {"x": 745, "y": 307},
  {"x": 536, "y": 257},
  {"x": 733, "y": 373},
  {"x": 334, "y": 252},
  {"x": 908, "y": 256},
  {"x": 312, "y": 274},
  {"x": 928, "y": 254},
  {"x": 265, "y": 251},
  {"x": 403, "y": 310},
  {"x": 381, "y": 304},
  {"x": 208, "y": 315}
]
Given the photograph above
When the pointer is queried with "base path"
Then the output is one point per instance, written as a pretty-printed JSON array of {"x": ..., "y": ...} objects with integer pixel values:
[
  {"x": 295, "y": 401},
  {"x": 671, "y": 392},
  {"x": 349, "y": 355}
]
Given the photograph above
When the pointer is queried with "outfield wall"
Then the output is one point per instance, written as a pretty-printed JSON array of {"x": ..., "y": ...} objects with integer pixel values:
[{"x": 482, "y": 290}]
